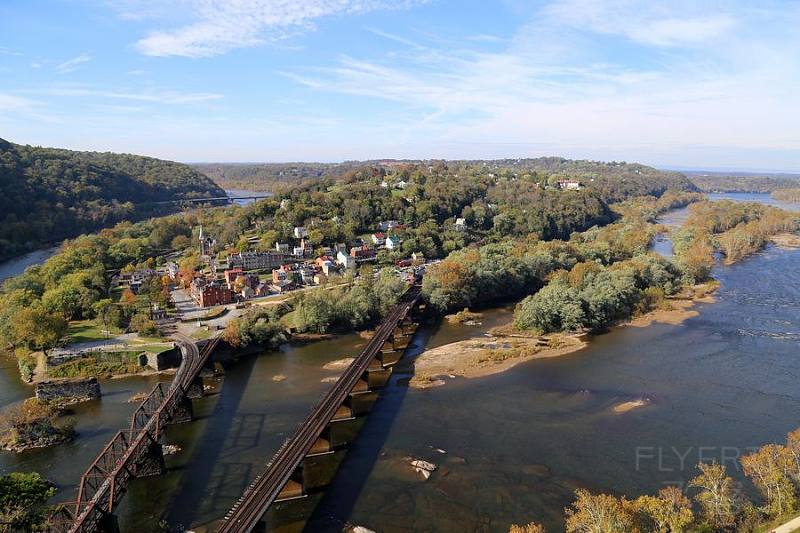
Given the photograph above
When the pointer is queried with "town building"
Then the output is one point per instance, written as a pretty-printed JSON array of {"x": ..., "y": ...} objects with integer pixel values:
[
  {"x": 347, "y": 261},
  {"x": 207, "y": 244},
  {"x": 418, "y": 258},
  {"x": 282, "y": 247},
  {"x": 231, "y": 275},
  {"x": 393, "y": 242},
  {"x": 255, "y": 260},
  {"x": 300, "y": 232},
  {"x": 362, "y": 253},
  {"x": 172, "y": 270},
  {"x": 569, "y": 185},
  {"x": 461, "y": 224},
  {"x": 262, "y": 289},
  {"x": 387, "y": 225},
  {"x": 378, "y": 239},
  {"x": 210, "y": 293}
]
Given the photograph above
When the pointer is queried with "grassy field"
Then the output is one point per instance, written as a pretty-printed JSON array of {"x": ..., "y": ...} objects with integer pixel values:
[
  {"x": 99, "y": 364},
  {"x": 88, "y": 331}
]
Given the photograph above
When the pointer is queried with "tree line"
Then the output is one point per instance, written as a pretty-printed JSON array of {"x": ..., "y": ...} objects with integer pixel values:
[
  {"x": 49, "y": 194},
  {"x": 718, "y": 503}
]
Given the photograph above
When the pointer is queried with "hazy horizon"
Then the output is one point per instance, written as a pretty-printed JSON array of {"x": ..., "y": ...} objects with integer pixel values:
[{"x": 679, "y": 83}]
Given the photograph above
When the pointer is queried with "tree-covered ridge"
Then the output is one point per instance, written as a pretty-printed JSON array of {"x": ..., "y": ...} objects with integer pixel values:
[
  {"x": 271, "y": 176},
  {"x": 761, "y": 183},
  {"x": 614, "y": 181},
  {"x": 49, "y": 194}
]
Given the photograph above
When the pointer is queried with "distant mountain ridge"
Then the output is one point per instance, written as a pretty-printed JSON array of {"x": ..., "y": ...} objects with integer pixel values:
[{"x": 50, "y": 194}]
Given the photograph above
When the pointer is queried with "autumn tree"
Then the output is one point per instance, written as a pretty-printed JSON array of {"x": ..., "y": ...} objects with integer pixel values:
[
  {"x": 669, "y": 512},
  {"x": 769, "y": 468},
  {"x": 533, "y": 527},
  {"x": 601, "y": 513},
  {"x": 716, "y": 494},
  {"x": 38, "y": 329}
]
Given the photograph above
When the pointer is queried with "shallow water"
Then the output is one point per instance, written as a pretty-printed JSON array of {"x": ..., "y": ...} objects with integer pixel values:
[{"x": 517, "y": 443}]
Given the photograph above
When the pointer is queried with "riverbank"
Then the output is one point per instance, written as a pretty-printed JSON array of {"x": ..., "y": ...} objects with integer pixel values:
[{"x": 504, "y": 347}]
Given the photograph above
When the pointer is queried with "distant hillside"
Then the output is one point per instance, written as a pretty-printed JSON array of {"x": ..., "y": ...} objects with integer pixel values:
[
  {"x": 49, "y": 194},
  {"x": 614, "y": 181},
  {"x": 271, "y": 176},
  {"x": 726, "y": 182}
]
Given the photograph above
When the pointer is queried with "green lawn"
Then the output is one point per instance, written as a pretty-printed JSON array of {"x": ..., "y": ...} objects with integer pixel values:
[{"x": 88, "y": 331}]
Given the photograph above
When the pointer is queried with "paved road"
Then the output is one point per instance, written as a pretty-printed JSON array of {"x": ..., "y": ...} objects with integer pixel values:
[{"x": 788, "y": 527}]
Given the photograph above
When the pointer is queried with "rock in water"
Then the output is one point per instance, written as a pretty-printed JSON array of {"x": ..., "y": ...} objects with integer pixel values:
[
  {"x": 360, "y": 529},
  {"x": 423, "y": 467}
]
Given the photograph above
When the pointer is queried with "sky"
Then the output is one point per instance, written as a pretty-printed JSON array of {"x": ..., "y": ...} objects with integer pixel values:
[{"x": 672, "y": 83}]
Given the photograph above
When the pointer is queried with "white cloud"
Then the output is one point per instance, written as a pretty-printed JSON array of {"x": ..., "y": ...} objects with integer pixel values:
[
  {"x": 10, "y": 102},
  {"x": 151, "y": 96},
  {"x": 676, "y": 23},
  {"x": 736, "y": 92},
  {"x": 73, "y": 64},
  {"x": 218, "y": 26}
]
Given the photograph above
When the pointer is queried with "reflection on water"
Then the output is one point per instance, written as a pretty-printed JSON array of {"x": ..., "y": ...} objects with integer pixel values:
[{"x": 517, "y": 443}]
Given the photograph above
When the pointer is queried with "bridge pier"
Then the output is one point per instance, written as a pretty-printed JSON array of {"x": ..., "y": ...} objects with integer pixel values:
[
  {"x": 195, "y": 390},
  {"x": 109, "y": 523},
  {"x": 183, "y": 412},
  {"x": 151, "y": 462}
]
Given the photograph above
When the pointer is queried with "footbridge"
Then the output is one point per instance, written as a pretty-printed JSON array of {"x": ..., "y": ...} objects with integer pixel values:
[
  {"x": 289, "y": 475},
  {"x": 136, "y": 451}
]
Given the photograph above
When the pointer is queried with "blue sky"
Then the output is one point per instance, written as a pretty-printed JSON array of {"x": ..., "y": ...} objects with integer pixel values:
[{"x": 711, "y": 84}]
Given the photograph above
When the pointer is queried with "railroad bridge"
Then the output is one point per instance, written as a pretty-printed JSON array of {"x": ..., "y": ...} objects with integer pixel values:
[
  {"x": 297, "y": 467},
  {"x": 135, "y": 451}
]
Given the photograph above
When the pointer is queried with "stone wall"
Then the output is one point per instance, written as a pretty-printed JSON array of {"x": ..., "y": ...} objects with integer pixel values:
[
  {"x": 71, "y": 391},
  {"x": 164, "y": 360}
]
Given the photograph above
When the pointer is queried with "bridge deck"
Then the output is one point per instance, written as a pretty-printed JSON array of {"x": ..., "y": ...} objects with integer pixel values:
[
  {"x": 107, "y": 478},
  {"x": 247, "y": 512}
]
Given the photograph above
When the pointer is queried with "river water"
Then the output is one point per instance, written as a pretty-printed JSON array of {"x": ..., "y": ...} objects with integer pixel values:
[{"x": 517, "y": 443}]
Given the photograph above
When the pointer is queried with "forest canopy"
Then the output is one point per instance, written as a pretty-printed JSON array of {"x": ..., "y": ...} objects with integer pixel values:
[{"x": 49, "y": 194}]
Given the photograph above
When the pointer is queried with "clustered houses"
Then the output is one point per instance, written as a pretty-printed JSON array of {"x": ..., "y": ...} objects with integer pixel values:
[
  {"x": 208, "y": 293},
  {"x": 252, "y": 274},
  {"x": 133, "y": 280}
]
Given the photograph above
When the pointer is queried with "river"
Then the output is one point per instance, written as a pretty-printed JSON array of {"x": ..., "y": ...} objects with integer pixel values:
[
  {"x": 16, "y": 266},
  {"x": 517, "y": 443}
]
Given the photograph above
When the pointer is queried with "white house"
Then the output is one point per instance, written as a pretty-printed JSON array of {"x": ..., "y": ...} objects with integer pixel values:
[
  {"x": 300, "y": 232},
  {"x": 461, "y": 224},
  {"x": 569, "y": 185},
  {"x": 378, "y": 239},
  {"x": 393, "y": 242},
  {"x": 345, "y": 260}
]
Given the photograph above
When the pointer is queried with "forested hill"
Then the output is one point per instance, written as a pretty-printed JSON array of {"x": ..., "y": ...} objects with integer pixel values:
[
  {"x": 49, "y": 194},
  {"x": 614, "y": 181}
]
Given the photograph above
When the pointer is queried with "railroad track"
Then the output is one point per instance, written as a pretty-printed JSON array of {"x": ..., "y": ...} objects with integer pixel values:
[
  {"x": 107, "y": 478},
  {"x": 265, "y": 489}
]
